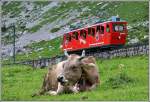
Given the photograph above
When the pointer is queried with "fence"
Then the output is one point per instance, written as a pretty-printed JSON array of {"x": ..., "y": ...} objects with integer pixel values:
[{"x": 123, "y": 52}]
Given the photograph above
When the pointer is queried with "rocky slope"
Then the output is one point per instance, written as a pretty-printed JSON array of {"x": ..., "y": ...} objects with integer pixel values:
[{"x": 45, "y": 20}]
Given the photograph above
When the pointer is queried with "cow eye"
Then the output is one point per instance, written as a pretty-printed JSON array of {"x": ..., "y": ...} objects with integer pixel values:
[{"x": 74, "y": 68}]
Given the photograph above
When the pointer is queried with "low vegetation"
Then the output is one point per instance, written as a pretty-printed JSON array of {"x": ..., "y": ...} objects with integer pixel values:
[
  {"x": 121, "y": 79},
  {"x": 55, "y": 30},
  {"x": 13, "y": 8},
  {"x": 48, "y": 49},
  {"x": 43, "y": 49}
]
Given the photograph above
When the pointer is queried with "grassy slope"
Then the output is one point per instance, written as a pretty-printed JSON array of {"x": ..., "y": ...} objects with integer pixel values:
[
  {"x": 19, "y": 82},
  {"x": 46, "y": 52},
  {"x": 130, "y": 11}
]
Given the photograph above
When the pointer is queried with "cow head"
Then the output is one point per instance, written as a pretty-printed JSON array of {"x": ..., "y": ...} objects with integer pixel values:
[{"x": 72, "y": 69}]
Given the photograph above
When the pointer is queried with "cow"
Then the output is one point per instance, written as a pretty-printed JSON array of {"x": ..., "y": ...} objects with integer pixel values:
[{"x": 77, "y": 73}]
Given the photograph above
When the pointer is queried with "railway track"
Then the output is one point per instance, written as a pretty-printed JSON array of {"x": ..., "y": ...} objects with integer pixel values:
[{"x": 126, "y": 51}]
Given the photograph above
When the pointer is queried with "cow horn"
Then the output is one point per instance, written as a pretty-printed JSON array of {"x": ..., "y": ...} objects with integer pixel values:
[
  {"x": 81, "y": 58},
  {"x": 83, "y": 53},
  {"x": 66, "y": 53}
]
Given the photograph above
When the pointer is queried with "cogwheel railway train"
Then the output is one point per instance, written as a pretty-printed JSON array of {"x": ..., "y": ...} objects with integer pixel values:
[{"x": 110, "y": 34}]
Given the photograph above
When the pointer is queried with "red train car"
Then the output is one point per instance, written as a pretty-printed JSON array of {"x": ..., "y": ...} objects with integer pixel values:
[{"x": 105, "y": 34}]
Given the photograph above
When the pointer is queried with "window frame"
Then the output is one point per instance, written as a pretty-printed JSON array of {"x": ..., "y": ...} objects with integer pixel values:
[
  {"x": 75, "y": 35},
  {"x": 68, "y": 37},
  {"x": 102, "y": 30},
  {"x": 98, "y": 29},
  {"x": 119, "y": 24},
  {"x": 108, "y": 28},
  {"x": 83, "y": 33},
  {"x": 91, "y": 31}
]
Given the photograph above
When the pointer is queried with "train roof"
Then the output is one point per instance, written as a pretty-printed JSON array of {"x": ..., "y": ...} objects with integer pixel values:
[{"x": 95, "y": 25}]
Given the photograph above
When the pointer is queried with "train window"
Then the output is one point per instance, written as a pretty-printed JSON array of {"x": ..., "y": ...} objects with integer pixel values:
[
  {"x": 98, "y": 29},
  {"x": 107, "y": 28},
  {"x": 101, "y": 29},
  {"x": 75, "y": 35},
  {"x": 118, "y": 27},
  {"x": 91, "y": 31},
  {"x": 68, "y": 38},
  {"x": 83, "y": 34}
]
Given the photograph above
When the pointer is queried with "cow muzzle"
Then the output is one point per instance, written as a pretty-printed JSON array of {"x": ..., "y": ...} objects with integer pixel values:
[{"x": 62, "y": 80}]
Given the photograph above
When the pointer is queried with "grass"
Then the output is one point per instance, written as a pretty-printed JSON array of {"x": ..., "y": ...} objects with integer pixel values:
[
  {"x": 54, "y": 30},
  {"x": 50, "y": 49},
  {"x": 53, "y": 14},
  {"x": 130, "y": 11},
  {"x": 35, "y": 28},
  {"x": 130, "y": 81},
  {"x": 138, "y": 32},
  {"x": 13, "y": 8},
  {"x": 43, "y": 2}
]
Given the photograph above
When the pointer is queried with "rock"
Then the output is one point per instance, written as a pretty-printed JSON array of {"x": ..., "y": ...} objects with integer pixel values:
[
  {"x": 49, "y": 46},
  {"x": 132, "y": 41},
  {"x": 116, "y": 6},
  {"x": 40, "y": 57},
  {"x": 99, "y": 3},
  {"x": 146, "y": 36},
  {"x": 85, "y": 9},
  {"x": 11, "y": 54},
  {"x": 129, "y": 27},
  {"x": 39, "y": 49},
  {"x": 104, "y": 6}
]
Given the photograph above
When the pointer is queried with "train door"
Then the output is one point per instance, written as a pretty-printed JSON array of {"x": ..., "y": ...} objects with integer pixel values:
[
  {"x": 107, "y": 34},
  {"x": 99, "y": 35},
  {"x": 75, "y": 40},
  {"x": 91, "y": 36},
  {"x": 83, "y": 39},
  {"x": 67, "y": 42}
]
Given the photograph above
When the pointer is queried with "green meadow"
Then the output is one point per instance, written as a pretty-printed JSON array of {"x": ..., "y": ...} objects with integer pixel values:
[{"x": 120, "y": 79}]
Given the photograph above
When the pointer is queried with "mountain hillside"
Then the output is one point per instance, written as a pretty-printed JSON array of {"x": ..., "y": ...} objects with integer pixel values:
[{"x": 38, "y": 22}]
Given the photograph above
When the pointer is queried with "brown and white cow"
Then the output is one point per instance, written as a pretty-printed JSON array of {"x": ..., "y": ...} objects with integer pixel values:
[{"x": 77, "y": 73}]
